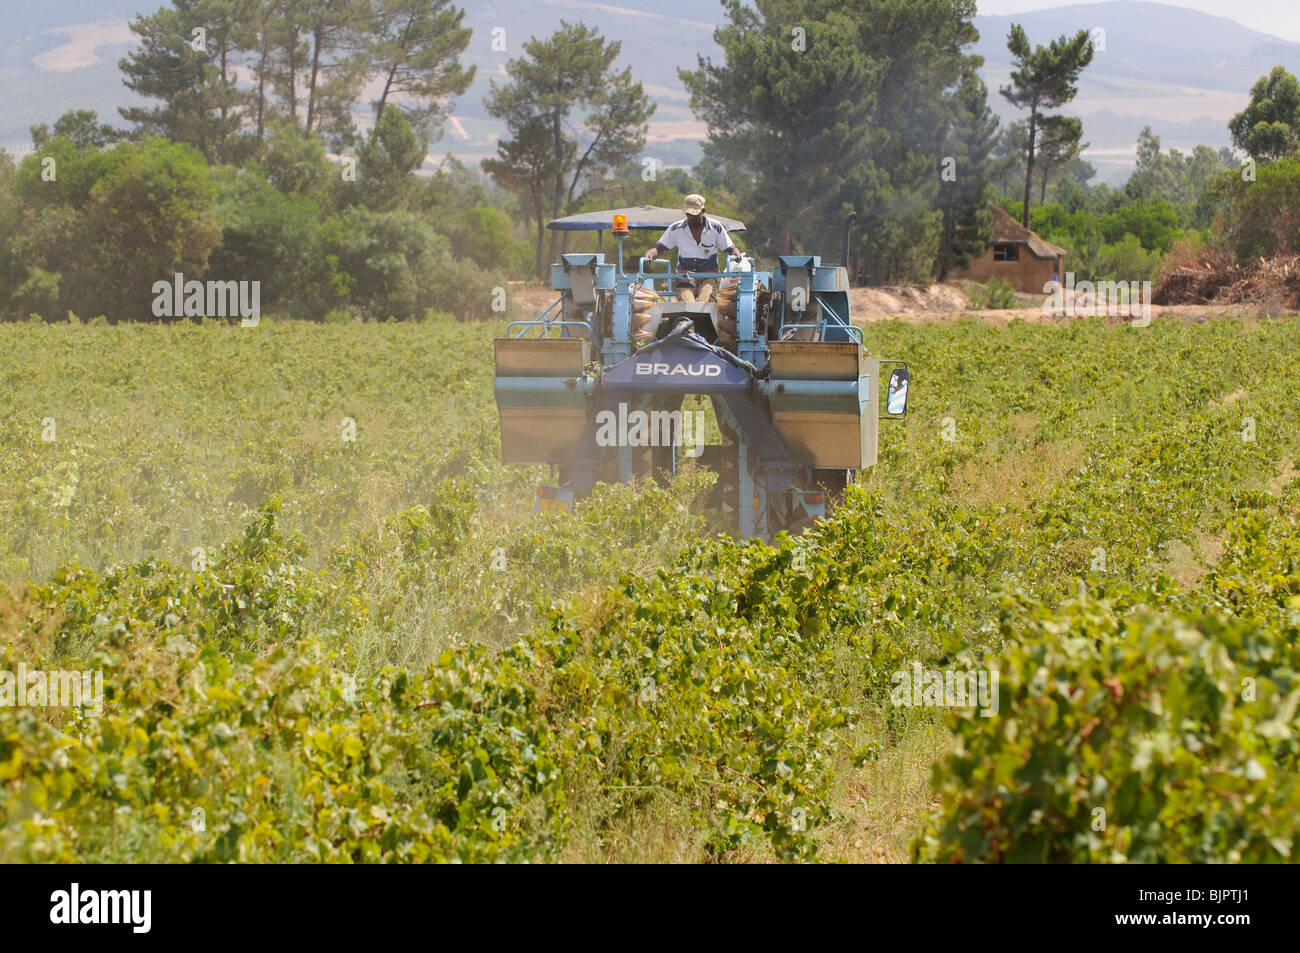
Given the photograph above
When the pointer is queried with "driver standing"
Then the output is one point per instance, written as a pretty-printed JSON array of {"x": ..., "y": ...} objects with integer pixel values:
[{"x": 698, "y": 239}]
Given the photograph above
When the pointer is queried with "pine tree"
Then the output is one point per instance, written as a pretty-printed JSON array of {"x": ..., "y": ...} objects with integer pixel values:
[
  {"x": 825, "y": 106},
  {"x": 570, "y": 71},
  {"x": 1044, "y": 78},
  {"x": 971, "y": 144},
  {"x": 186, "y": 58},
  {"x": 414, "y": 45},
  {"x": 1059, "y": 144}
]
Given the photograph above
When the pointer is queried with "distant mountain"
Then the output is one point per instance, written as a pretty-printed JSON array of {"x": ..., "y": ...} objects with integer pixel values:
[
  {"x": 657, "y": 37},
  {"x": 58, "y": 55},
  {"x": 1182, "y": 72},
  {"x": 63, "y": 54}
]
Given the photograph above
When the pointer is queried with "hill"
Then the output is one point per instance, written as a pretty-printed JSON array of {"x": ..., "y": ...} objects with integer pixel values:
[{"x": 1182, "y": 72}]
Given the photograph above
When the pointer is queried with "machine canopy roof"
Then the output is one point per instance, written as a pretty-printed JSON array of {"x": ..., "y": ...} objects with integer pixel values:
[{"x": 646, "y": 217}]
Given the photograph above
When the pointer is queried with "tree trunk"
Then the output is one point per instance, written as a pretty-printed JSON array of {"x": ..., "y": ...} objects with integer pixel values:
[
  {"x": 292, "y": 48},
  {"x": 383, "y": 99},
  {"x": 315, "y": 72},
  {"x": 392, "y": 72},
  {"x": 541, "y": 232},
  {"x": 541, "y": 238},
  {"x": 225, "y": 55},
  {"x": 1029, "y": 163},
  {"x": 947, "y": 240},
  {"x": 261, "y": 89},
  {"x": 558, "y": 196},
  {"x": 225, "y": 52}
]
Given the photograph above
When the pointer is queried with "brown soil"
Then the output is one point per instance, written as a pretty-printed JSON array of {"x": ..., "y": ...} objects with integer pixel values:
[
  {"x": 1286, "y": 473},
  {"x": 940, "y": 303}
]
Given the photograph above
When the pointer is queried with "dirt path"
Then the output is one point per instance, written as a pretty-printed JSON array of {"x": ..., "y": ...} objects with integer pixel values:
[
  {"x": 937, "y": 303},
  {"x": 948, "y": 303},
  {"x": 1194, "y": 314}
]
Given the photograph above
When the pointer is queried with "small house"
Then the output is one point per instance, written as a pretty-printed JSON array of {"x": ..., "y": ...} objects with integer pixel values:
[{"x": 1017, "y": 255}]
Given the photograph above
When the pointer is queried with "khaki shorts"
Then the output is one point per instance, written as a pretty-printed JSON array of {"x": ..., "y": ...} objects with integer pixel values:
[{"x": 703, "y": 291}]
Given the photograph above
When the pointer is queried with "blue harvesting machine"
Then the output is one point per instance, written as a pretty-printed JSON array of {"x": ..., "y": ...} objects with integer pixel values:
[{"x": 615, "y": 379}]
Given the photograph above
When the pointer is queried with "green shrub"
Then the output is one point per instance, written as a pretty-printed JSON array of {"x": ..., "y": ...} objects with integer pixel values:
[
  {"x": 38, "y": 294},
  {"x": 267, "y": 236},
  {"x": 467, "y": 291},
  {"x": 995, "y": 295},
  {"x": 1126, "y": 260},
  {"x": 284, "y": 759},
  {"x": 205, "y": 752},
  {"x": 1154, "y": 224},
  {"x": 382, "y": 261},
  {"x": 1146, "y": 726},
  {"x": 1261, "y": 216},
  {"x": 112, "y": 223},
  {"x": 692, "y": 683},
  {"x": 484, "y": 234}
]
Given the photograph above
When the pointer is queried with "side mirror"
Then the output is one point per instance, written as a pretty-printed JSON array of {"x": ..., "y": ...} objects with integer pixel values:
[{"x": 895, "y": 397}]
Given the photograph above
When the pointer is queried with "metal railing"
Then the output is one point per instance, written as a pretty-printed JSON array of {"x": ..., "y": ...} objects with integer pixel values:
[
  {"x": 669, "y": 274},
  {"x": 839, "y": 324},
  {"x": 852, "y": 330},
  {"x": 544, "y": 323}
]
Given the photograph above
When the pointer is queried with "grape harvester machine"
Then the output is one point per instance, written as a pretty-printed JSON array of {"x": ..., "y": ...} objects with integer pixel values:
[{"x": 794, "y": 393}]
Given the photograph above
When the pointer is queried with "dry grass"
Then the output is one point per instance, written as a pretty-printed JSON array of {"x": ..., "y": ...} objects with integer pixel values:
[
  {"x": 1286, "y": 473},
  {"x": 1228, "y": 399},
  {"x": 881, "y": 803},
  {"x": 653, "y": 833},
  {"x": 1187, "y": 563},
  {"x": 1019, "y": 478}
]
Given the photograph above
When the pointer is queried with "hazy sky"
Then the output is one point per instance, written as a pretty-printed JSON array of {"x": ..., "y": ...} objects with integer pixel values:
[{"x": 1277, "y": 17}]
